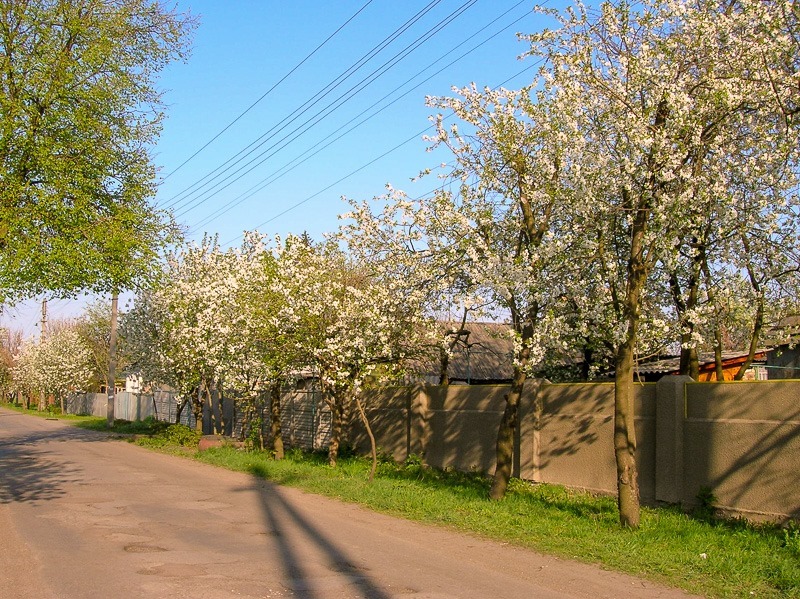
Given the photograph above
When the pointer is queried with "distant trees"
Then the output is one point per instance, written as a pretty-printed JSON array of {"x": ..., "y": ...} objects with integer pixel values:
[
  {"x": 10, "y": 344},
  {"x": 57, "y": 365},
  {"x": 94, "y": 330}
]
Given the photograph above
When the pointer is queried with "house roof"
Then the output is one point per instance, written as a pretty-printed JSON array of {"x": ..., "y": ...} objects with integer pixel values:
[
  {"x": 484, "y": 352},
  {"x": 706, "y": 359},
  {"x": 787, "y": 328}
]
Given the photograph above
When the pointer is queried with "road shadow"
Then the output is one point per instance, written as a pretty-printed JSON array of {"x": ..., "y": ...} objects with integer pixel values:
[
  {"x": 288, "y": 527},
  {"x": 29, "y": 473}
]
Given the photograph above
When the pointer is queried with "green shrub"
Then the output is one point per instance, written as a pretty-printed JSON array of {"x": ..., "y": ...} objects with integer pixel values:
[
  {"x": 179, "y": 434},
  {"x": 706, "y": 502}
]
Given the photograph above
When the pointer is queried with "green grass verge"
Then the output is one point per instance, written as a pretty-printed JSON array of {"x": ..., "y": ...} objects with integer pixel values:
[
  {"x": 714, "y": 558},
  {"x": 149, "y": 433}
]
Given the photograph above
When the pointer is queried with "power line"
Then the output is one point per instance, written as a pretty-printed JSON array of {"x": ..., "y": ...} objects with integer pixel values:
[
  {"x": 362, "y": 167},
  {"x": 269, "y": 91},
  {"x": 325, "y": 112},
  {"x": 318, "y": 147},
  {"x": 313, "y": 100}
]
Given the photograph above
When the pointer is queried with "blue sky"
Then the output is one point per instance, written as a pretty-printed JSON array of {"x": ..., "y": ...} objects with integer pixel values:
[{"x": 244, "y": 48}]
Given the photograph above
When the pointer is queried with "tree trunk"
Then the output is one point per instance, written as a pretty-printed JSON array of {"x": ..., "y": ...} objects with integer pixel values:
[
  {"x": 755, "y": 337},
  {"x": 586, "y": 366},
  {"x": 758, "y": 324},
  {"x": 711, "y": 295},
  {"x": 689, "y": 361},
  {"x": 505, "y": 437},
  {"x": 275, "y": 431},
  {"x": 694, "y": 363},
  {"x": 336, "y": 431},
  {"x": 372, "y": 445},
  {"x": 718, "y": 370},
  {"x": 248, "y": 415},
  {"x": 508, "y": 424},
  {"x": 624, "y": 410},
  {"x": 211, "y": 390},
  {"x": 625, "y": 438},
  {"x": 638, "y": 269},
  {"x": 112, "y": 362},
  {"x": 444, "y": 363},
  {"x": 179, "y": 411},
  {"x": 197, "y": 408},
  {"x": 219, "y": 421}
]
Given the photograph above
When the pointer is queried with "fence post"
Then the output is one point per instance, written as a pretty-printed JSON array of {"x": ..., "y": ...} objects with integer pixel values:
[
  {"x": 670, "y": 415},
  {"x": 527, "y": 463},
  {"x": 418, "y": 433}
]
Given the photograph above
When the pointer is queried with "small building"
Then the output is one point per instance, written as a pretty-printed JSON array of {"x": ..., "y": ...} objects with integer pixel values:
[{"x": 731, "y": 363}]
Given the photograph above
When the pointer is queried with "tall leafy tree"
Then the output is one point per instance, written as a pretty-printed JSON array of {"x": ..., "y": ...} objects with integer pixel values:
[
  {"x": 10, "y": 344},
  {"x": 94, "y": 328},
  {"x": 78, "y": 112}
]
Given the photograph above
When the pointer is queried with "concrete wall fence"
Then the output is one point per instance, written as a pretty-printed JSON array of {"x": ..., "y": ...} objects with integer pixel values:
[{"x": 739, "y": 440}]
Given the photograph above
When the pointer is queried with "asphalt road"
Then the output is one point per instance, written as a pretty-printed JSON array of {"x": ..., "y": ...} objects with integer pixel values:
[{"x": 85, "y": 516}]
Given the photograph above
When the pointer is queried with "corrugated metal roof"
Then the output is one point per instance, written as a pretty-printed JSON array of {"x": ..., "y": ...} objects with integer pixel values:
[{"x": 484, "y": 353}]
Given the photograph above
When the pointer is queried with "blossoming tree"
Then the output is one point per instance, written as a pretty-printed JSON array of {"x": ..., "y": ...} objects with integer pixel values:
[
  {"x": 676, "y": 103},
  {"x": 360, "y": 324},
  {"x": 57, "y": 365},
  {"x": 173, "y": 331}
]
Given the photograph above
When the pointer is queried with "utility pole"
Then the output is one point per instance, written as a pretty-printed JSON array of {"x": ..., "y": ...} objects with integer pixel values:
[
  {"x": 42, "y": 336},
  {"x": 112, "y": 360},
  {"x": 44, "y": 320}
]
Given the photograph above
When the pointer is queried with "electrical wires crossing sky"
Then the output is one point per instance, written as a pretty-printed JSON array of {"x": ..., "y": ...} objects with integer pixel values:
[{"x": 333, "y": 118}]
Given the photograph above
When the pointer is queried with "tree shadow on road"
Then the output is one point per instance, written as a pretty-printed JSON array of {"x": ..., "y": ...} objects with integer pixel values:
[
  {"x": 29, "y": 473},
  {"x": 287, "y": 526}
]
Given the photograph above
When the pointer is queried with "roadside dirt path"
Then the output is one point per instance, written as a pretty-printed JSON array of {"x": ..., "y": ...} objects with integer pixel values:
[{"x": 82, "y": 516}]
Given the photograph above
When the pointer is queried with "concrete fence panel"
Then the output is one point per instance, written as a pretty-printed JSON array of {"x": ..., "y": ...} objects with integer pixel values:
[
  {"x": 575, "y": 442},
  {"x": 462, "y": 422},
  {"x": 742, "y": 442},
  {"x": 390, "y": 418}
]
